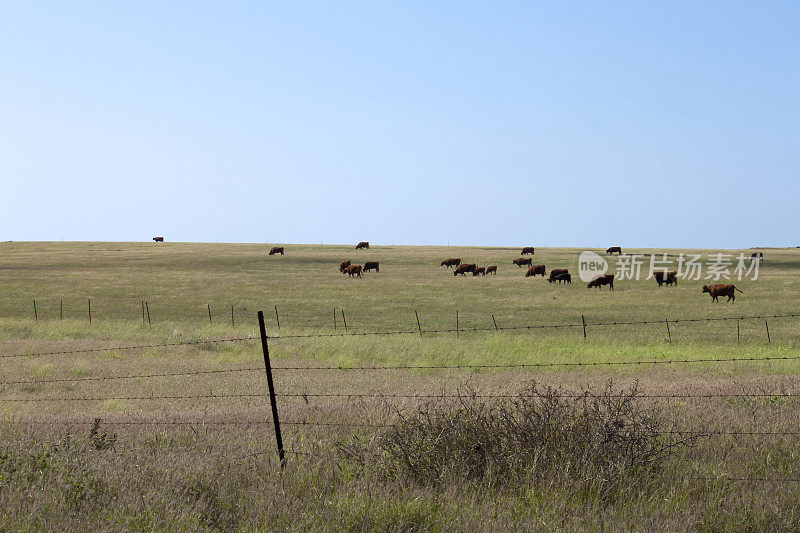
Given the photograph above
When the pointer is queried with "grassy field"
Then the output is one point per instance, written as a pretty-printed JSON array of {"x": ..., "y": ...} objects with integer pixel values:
[{"x": 196, "y": 451}]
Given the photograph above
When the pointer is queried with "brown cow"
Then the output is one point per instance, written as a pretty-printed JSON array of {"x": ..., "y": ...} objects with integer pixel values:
[
  {"x": 613, "y": 249},
  {"x": 479, "y": 270},
  {"x": 276, "y": 250},
  {"x": 599, "y": 281},
  {"x": 343, "y": 265},
  {"x": 535, "y": 269},
  {"x": 463, "y": 269},
  {"x": 722, "y": 289},
  {"x": 555, "y": 273},
  {"x": 158, "y": 239},
  {"x": 363, "y": 245},
  {"x": 759, "y": 255},
  {"x": 668, "y": 277},
  {"x": 491, "y": 269},
  {"x": 372, "y": 265},
  {"x": 353, "y": 270},
  {"x": 523, "y": 261},
  {"x": 566, "y": 278},
  {"x": 527, "y": 250},
  {"x": 452, "y": 262}
]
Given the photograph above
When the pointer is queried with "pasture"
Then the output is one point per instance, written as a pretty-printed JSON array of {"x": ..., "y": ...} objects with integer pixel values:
[{"x": 185, "y": 438}]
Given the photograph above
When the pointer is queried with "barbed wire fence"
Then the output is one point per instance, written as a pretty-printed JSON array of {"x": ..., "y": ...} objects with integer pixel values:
[{"x": 273, "y": 395}]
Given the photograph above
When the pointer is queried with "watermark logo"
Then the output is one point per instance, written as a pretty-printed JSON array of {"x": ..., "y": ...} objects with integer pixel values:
[{"x": 591, "y": 265}]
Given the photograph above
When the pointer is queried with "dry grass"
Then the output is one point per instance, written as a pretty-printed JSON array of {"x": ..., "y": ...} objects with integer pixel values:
[{"x": 206, "y": 460}]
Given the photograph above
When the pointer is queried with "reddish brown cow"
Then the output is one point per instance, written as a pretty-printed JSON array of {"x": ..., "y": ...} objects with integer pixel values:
[
  {"x": 722, "y": 289},
  {"x": 614, "y": 249},
  {"x": 479, "y": 270},
  {"x": 158, "y": 239},
  {"x": 527, "y": 250},
  {"x": 523, "y": 261},
  {"x": 555, "y": 273},
  {"x": 491, "y": 269},
  {"x": 599, "y": 281},
  {"x": 668, "y": 277},
  {"x": 363, "y": 245},
  {"x": 372, "y": 265},
  {"x": 353, "y": 270},
  {"x": 463, "y": 269},
  {"x": 534, "y": 270},
  {"x": 452, "y": 262},
  {"x": 343, "y": 265},
  {"x": 276, "y": 250}
]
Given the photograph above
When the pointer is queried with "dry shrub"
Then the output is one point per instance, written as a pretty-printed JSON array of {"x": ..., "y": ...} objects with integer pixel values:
[{"x": 539, "y": 435}]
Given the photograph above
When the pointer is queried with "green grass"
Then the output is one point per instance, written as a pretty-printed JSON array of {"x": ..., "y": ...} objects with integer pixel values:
[{"x": 225, "y": 477}]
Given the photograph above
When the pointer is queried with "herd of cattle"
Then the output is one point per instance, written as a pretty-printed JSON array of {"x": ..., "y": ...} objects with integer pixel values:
[{"x": 557, "y": 275}]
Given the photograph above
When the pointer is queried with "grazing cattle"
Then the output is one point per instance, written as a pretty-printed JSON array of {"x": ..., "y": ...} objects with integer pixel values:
[
  {"x": 522, "y": 261},
  {"x": 599, "y": 281},
  {"x": 566, "y": 278},
  {"x": 353, "y": 270},
  {"x": 452, "y": 262},
  {"x": 759, "y": 255},
  {"x": 158, "y": 239},
  {"x": 722, "y": 289},
  {"x": 555, "y": 273},
  {"x": 463, "y": 269},
  {"x": 372, "y": 265},
  {"x": 344, "y": 264},
  {"x": 535, "y": 269},
  {"x": 363, "y": 245},
  {"x": 668, "y": 277},
  {"x": 613, "y": 249},
  {"x": 276, "y": 250},
  {"x": 479, "y": 271},
  {"x": 527, "y": 250},
  {"x": 491, "y": 269}
]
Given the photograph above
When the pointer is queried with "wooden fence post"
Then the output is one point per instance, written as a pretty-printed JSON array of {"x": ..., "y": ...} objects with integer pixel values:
[
  {"x": 232, "y": 322},
  {"x": 143, "y": 311},
  {"x": 61, "y": 311},
  {"x": 271, "y": 387},
  {"x": 334, "y": 318},
  {"x": 737, "y": 331},
  {"x": 90, "y": 311},
  {"x": 147, "y": 306},
  {"x": 345, "y": 321},
  {"x": 583, "y": 320},
  {"x": 495, "y": 323},
  {"x": 669, "y": 335},
  {"x": 457, "y": 333},
  {"x": 419, "y": 327},
  {"x": 209, "y": 312},
  {"x": 35, "y": 312},
  {"x": 769, "y": 341},
  {"x": 278, "y": 320}
]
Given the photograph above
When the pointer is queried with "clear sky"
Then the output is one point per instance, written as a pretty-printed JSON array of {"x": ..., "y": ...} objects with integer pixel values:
[{"x": 411, "y": 122}]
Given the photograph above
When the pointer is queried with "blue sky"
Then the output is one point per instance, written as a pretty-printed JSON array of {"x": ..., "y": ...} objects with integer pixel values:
[{"x": 664, "y": 124}]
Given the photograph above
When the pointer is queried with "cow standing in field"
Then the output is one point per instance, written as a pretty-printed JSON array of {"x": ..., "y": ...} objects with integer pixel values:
[
  {"x": 158, "y": 239},
  {"x": 463, "y": 269},
  {"x": 523, "y": 261},
  {"x": 555, "y": 273},
  {"x": 353, "y": 270},
  {"x": 614, "y": 249},
  {"x": 757, "y": 255},
  {"x": 722, "y": 289},
  {"x": 668, "y": 277},
  {"x": 566, "y": 278},
  {"x": 527, "y": 250},
  {"x": 372, "y": 265},
  {"x": 599, "y": 281},
  {"x": 276, "y": 250},
  {"x": 363, "y": 245},
  {"x": 452, "y": 262},
  {"x": 479, "y": 271},
  {"x": 491, "y": 269},
  {"x": 343, "y": 265},
  {"x": 533, "y": 270}
]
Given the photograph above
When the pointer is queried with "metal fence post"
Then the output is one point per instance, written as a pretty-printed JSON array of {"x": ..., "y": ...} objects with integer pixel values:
[
  {"x": 419, "y": 327},
  {"x": 271, "y": 387},
  {"x": 345, "y": 321},
  {"x": 766, "y": 325},
  {"x": 147, "y": 306},
  {"x": 232, "y": 322},
  {"x": 669, "y": 335},
  {"x": 90, "y": 311},
  {"x": 495, "y": 323},
  {"x": 334, "y": 319},
  {"x": 457, "y": 333},
  {"x": 583, "y": 321},
  {"x": 61, "y": 311},
  {"x": 737, "y": 331}
]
